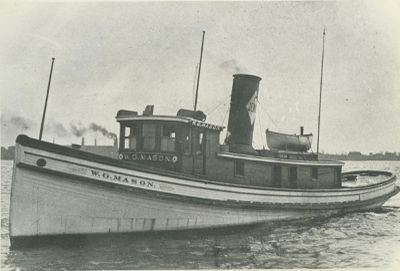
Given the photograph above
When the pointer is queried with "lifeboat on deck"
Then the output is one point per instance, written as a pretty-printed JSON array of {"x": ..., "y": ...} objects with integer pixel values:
[{"x": 288, "y": 142}]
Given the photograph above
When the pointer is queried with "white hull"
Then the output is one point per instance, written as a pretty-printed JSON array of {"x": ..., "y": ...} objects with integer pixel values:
[{"x": 70, "y": 195}]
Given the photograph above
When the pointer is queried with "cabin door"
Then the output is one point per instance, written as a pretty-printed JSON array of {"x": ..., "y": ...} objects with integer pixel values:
[{"x": 199, "y": 155}]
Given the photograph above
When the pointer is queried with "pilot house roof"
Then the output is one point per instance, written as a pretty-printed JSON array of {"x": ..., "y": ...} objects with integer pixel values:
[{"x": 126, "y": 116}]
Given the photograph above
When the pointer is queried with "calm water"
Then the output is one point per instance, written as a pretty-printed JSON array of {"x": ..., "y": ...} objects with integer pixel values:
[{"x": 370, "y": 239}]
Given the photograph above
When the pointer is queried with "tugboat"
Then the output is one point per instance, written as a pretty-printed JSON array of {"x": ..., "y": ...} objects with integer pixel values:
[{"x": 173, "y": 174}]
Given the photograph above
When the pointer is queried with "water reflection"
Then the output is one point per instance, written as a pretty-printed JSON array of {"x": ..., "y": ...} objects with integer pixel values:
[{"x": 333, "y": 242}]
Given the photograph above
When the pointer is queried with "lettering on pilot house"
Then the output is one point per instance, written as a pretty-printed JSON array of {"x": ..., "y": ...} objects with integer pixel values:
[
  {"x": 154, "y": 157},
  {"x": 123, "y": 179}
]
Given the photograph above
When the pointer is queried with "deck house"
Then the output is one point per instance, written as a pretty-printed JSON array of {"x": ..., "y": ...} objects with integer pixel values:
[{"x": 186, "y": 144}]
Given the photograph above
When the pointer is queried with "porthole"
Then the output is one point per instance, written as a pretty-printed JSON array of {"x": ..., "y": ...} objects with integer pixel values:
[{"x": 41, "y": 162}]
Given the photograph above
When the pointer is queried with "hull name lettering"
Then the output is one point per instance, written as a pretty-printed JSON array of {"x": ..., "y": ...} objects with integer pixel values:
[{"x": 117, "y": 178}]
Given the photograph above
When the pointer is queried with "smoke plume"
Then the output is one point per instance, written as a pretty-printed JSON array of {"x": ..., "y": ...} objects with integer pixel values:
[
  {"x": 21, "y": 123},
  {"x": 231, "y": 66},
  {"x": 13, "y": 124},
  {"x": 97, "y": 128},
  {"x": 79, "y": 130},
  {"x": 59, "y": 130}
]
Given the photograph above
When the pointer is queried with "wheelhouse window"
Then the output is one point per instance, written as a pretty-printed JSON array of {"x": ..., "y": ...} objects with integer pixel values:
[
  {"x": 130, "y": 137},
  {"x": 199, "y": 149},
  {"x": 149, "y": 132},
  {"x": 168, "y": 138},
  {"x": 239, "y": 168},
  {"x": 143, "y": 136}
]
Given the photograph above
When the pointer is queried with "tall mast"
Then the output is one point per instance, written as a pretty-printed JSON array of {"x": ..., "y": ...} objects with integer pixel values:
[
  {"x": 45, "y": 103},
  {"x": 320, "y": 89},
  {"x": 198, "y": 76}
]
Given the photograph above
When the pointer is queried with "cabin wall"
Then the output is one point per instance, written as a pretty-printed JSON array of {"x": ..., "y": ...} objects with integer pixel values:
[
  {"x": 285, "y": 176},
  {"x": 211, "y": 149},
  {"x": 304, "y": 177},
  {"x": 255, "y": 173},
  {"x": 303, "y": 180},
  {"x": 261, "y": 174},
  {"x": 217, "y": 169},
  {"x": 221, "y": 170},
  {"x": 326, "y": 178},
  {"x": 186, "y": 164}
]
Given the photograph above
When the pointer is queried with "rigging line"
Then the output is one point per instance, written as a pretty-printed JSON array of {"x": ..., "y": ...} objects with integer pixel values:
[
  {"x": 223, "y": 102},
  {"x": 226, "y": 113},
  {"x": 222, "y": 124},
  {"x": 310, "y": 142},
  {"x": 265, "y": 112},
  {"x": 259, "y": 125},
  {"x": 259, "y": 117}
]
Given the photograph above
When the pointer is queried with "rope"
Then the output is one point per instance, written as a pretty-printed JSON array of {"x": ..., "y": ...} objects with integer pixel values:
[
  {"x": 276, "y": 126},
  {"x": 226, "y": 113},
  {"x": 218, "y": 105},
  {"x": 262, "y": 137},
  {"x": 222, "y": 124}
]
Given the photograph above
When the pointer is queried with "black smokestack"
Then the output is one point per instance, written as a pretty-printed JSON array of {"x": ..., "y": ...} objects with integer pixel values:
[{"x": 242, "y": 113}]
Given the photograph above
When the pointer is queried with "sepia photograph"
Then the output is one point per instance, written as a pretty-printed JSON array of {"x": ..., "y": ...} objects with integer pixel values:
[{"x": 200, "y": 135}]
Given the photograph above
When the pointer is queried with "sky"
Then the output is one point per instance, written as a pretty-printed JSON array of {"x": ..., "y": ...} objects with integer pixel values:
[{"x": 126, "y": 55}]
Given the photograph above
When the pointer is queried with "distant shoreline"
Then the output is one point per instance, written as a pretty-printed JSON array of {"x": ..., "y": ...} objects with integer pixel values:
[{"x": 356, "y": 156}]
